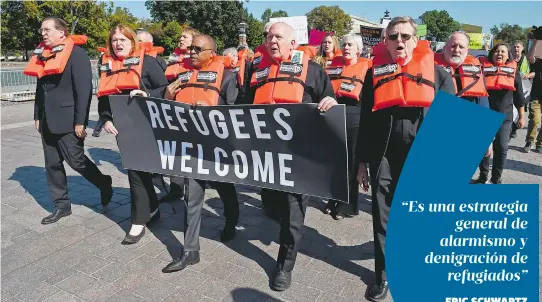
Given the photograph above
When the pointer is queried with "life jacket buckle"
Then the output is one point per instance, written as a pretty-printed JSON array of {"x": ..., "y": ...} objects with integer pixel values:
[
  {"x": 419, "y": 79},
  {"x": 291, "y": 79}
]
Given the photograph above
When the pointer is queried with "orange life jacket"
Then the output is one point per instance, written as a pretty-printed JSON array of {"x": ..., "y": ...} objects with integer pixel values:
[
  {"x": 499, "y": 77},
  {"x": 336, "y": 53},
  {"x": 411, "y": 85},
  {"x": 260, "y": 51},
  {"x": 310, "y": 51},
  {"x": 117, "y": 75},
  {"x": 151, "y": 50},
  {"x": 470, "y": 74},
  {"x": 102, "y": 49},
  {"x": 347, "y": 81},
  {"x": 176, "y": 62},
  {"x": 241, "y": 62},
  {"x": 47, "y": 61},
  {"x": 284, "y": 83},
  {"x": 201, "y": 87}
]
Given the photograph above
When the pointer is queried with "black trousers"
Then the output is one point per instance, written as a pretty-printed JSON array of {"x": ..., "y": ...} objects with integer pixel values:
[
  {"x": 194, "y": 197},
  {"x": 500, "y": 151},
  {"x": 383, "y": 183},
  {"x": 176, "y": 185},
  {"x": 352, "y": 207},
  {"x": 58, "y": 148},
  {"x": 142, "y": 195},
  {"x": 292, "y": 209}
]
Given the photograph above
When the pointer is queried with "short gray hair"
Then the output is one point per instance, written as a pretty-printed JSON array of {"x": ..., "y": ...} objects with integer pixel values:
[
  {"x": 228, "y": 51},
  {"x": 358, "y": 41},
  {"x": 146, "y": 34},
  {"x": 458, "y": 32}
]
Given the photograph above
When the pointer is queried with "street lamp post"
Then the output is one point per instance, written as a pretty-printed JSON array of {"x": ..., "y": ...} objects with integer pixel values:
[{"x": 243, "y": 29}]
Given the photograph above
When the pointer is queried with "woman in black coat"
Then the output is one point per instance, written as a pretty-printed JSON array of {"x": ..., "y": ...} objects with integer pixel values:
[
  {"x": 122, "y": 43},
  {"x": 501, "y": 100}
]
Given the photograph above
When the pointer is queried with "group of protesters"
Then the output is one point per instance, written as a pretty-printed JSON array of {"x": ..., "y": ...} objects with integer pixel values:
[{"x": 386, "y": 92}]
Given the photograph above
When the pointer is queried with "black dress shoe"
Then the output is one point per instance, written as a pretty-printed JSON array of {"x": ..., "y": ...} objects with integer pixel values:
[
  {"x": 107, "y": 193},
  {"x": 282, "y": 280},
  {"x": 130, "y": 239},
  {"x": 378, "y": 292},
  {"x": 228, "y": 233},
  {"x": 186, "y": 259},
  {"x": 55, "y": 216}
]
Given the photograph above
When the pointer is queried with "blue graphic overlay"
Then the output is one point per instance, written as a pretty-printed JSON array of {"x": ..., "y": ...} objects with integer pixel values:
[{"x": 451, "y": 241}]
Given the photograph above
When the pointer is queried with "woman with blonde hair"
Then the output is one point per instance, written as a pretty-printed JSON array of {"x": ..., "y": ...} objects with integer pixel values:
[
  {"x": 126, "y": 69},
  {"x": 329, "y": 48}
]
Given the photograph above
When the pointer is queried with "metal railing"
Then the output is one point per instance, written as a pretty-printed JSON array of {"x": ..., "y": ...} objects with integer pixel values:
[{"x": 18, "y": 87}]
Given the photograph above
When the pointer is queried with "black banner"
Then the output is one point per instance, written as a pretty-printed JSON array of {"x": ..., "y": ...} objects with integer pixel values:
[
  {"x": 291, "y": 148},
  {"x": 370, "y": 35}
]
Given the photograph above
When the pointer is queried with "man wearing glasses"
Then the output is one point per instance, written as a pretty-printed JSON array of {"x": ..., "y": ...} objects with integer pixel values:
[
  {"x": 202, "y": 52},
  {"x": 387, "y": 129},
  {"x": 61, "y": 114}
]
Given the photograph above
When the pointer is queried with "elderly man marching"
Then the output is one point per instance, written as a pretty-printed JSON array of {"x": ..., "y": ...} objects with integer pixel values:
[
  {"x": 466, "y": 71},
  {"x": 393, "y": 108},
  {"x": 268, "y": 86}
]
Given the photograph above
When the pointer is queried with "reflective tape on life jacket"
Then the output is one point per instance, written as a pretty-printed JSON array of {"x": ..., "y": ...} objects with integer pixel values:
[
  {"x": 284, "y": 83},
  {"x": 347, "y": 81},
  {"x": 499, "y": 76},
  {"x": 117, "y": 75},
  {"x": 48, "y": 61},
  {"x": 411, "y": 85},
  {"x": 470, "y": 74},
  {"x": 201, "y": 87},
  {"x": 336, "y": 53}
]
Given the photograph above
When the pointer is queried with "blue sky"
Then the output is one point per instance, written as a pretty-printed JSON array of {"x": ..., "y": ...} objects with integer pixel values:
[{"x": 482, "y": 13}]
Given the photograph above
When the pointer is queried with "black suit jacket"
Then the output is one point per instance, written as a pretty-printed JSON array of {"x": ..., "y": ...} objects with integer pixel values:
[{"x": 63, "y": 100}]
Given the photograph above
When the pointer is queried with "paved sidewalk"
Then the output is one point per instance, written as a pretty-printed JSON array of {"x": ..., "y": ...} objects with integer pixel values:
[{"x": 80, "y": 258}]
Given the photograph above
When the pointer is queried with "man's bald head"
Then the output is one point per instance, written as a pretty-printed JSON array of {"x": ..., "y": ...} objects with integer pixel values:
[
  {"x": 202, "y": 50},
  {"x": 288, "y": 31},
  {"x": 144, "y": 36},
  {"x": 280, "y": 41},
  {"x": 208, "y": 41}
]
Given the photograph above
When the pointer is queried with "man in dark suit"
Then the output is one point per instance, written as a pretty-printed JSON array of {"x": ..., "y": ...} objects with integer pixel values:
[
  {"x": 61, "y": 114},
  {"x": 202, "y": 50}
]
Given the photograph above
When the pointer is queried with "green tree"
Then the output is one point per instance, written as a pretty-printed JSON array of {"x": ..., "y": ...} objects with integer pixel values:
[
  {"x": 217, "y": 19},
  {"x": 329, "y": 18},
  {"x": 170, "y": 35},
  {"x": 268, "y": 13},
  {"x": 255, "y": 31},
  {"x": 439, "y": 24},
  {"x": 509, "y": 33},
  {"x": 20, "y": 24}
]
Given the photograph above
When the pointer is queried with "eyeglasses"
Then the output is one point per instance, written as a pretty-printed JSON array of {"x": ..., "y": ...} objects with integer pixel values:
[
  {"x": 45, "y": 30},
  {"x": 197, "y": 49},
  {"x": 404, "y": 37}
]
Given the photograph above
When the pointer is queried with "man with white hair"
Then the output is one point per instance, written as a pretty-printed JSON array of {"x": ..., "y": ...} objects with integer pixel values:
[
  {"x": 466, "y": 71},
  {"x": 269, "y": 88}
]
